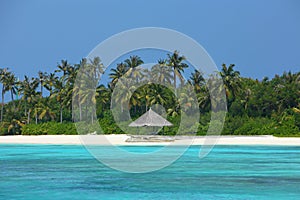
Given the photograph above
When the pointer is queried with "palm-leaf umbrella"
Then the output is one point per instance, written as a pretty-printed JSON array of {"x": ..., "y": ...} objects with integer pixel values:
[{"x": 150, "y": 119}]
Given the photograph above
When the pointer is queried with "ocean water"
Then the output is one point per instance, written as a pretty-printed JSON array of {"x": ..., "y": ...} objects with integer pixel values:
[{"x": 229, "y": 172}]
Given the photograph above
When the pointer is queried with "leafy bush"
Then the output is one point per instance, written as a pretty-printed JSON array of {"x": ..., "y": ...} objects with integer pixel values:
[
  {"x": 287, "y": 127},
  {"x": 49, "y": 128},
  {"x": 266, "y": 126},
  {"x": 255, "y": 126},
  {"x": 4, "y": 128},
  {"x": 232, "y": 123},
  {"x": 108, "y": 124}
]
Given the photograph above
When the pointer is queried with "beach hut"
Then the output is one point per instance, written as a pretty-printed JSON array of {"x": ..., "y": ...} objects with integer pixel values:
[{"x": 150, "y": 119}]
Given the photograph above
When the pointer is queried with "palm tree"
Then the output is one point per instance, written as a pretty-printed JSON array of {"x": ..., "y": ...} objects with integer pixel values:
[
  {"x": 103, "y": 96},
  {"x": 123, "y": 94},
  {"x": 197, "y": 80},
  {"x": 63, "y": 87},
  {"x": 11, "y": 82},
  {"x": 246, "y": 98},
  {"x": 132, "y": 65},
  {"x": 133, "y": 62},
  {"x": 159, "y": 95},
  {"x": 135, "y": 100},
  {"x": 175, "y": 61},
  {"x": 203, "y": 98},
  {"x": 29, "y": 94},
  {"x": 98, "y": 67},
  {"x": 4, "y": 73},
  {"x": 59, "y": 93},
  {"x": 232, "y": 82},
  {"x": 44, "y": 111},
  {"x": 117, "y": 73},
  {"x": 50, "y": 81},
  {"x": 67, "y": 84},
  {"x": 161, "y": 73},
  {"x": 212, "y": 95},
  {"x": 33, "y": 97},
  {"x": 42, "y": 77},
  {"x": 89, "y": 82},
  {"x": 186, "y": 100},
  {"x": 63, "y": 67},
  {"x": 145, "y": 96}
]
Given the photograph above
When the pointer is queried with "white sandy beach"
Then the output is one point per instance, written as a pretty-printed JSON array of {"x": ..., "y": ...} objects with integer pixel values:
[{"x": 121, "y": 140}]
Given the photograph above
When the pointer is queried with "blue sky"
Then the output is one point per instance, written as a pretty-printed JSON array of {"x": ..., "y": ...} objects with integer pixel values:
[{"x": 261, "y": 37}]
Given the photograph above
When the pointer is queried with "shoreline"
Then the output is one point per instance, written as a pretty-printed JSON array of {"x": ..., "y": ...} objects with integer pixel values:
[{"x": 159, "y": 140}]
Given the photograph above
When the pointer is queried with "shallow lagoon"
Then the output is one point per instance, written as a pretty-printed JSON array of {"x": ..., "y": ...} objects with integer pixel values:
[{"x": 228, "y": 172}]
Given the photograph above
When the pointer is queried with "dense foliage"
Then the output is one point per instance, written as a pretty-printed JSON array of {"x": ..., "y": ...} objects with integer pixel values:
[{"x": 43, "y": 104}]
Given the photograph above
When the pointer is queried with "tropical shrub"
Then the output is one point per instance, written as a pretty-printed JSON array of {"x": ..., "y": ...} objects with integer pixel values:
[
  {"x": 4, "y": 128},
  {"x": 49, "y": 128}
]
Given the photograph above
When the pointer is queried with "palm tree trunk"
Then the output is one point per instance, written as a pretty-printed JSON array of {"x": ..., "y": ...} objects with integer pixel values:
[
  {"x": 36, "y": 119},
  {"x": 25, "y": 110},
  {"x": 175, "y": 82},
  {"x": 2, "y": 106},
  {"x": 72, "y": 113},
  {"x": 86, "y": 112},
  {"x": 92, "y": 115},
  {"x": 61, "y": 114},
  {"x": 28, "y": 117},
  {"x": 80, "y": 112},
  {"x": 12, "y": 99}
]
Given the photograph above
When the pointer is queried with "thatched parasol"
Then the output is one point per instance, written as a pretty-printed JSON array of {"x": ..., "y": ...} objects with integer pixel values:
[{"x": 150, "y": 118}]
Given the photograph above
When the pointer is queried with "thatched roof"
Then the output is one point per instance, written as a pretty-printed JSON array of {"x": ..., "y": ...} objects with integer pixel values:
[{"x": 150, "y": 118}]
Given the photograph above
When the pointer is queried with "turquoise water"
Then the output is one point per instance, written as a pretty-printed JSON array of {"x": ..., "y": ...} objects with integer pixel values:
[{"x": 228, "y": 172}]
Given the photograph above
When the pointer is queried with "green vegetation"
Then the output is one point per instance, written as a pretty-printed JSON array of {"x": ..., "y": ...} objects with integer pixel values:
[
  {"x": 43, "y": 104},
  {"x": 49, "y": 128}
]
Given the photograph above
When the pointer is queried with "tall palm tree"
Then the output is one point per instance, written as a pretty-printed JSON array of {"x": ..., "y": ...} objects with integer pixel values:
[
  {"x": 197, "y": 80},
  {"x": 89, "y": 83},
  {"x": 161, "y": 72},
  {"x": 246, "y": 98},
  {"x": 63, "y": 67},
  {"x": 50, "y": 81},
  {"x": 86, "y": 80},
  {"x": 29, "y": 94},
  {"x": 4, "y": 73},
  {"x": 232, "y": 82},
  {"x": 175, "y": 61},
  {"x": 97, "y": 66},
  {"x": 59, "y": 93},
  {"x": 145, "y": 96},
  {"x": 215, "y": 92},
  {"x": 42, "y": 77},
  {"x": 103, "y": 96},
  {"x": 9, "y": 82},
  {"x": 65, "y": 87},
  {"x": 159, "y": 95},
  {"x": 203, "y": 98},
  {"x": 43, "y": 110},
  {"x": 135, "y": 100},
  {"x": 69, "y": 73},
  {"x": 11, "y": 85},
  {"x": 186, "y": 100},
  {"x": 117, "y": 73},
  {"x": 132, "y": 64},
  {"x": 123, "y": 94}
]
